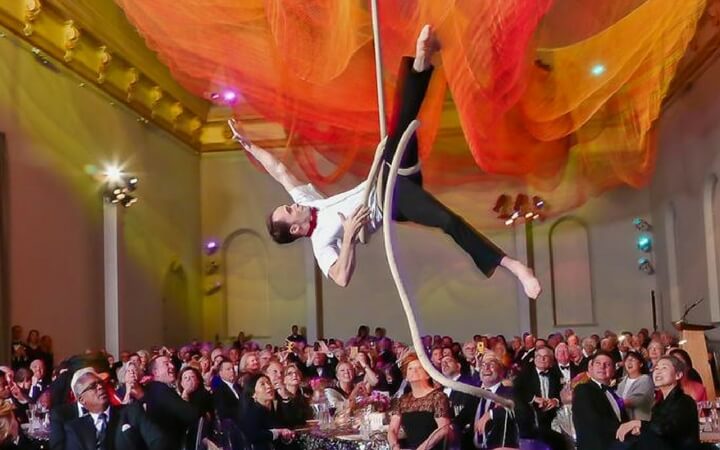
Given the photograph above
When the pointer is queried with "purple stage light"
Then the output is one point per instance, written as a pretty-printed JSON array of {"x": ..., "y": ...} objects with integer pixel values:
[{"x": 229, "y": 96}]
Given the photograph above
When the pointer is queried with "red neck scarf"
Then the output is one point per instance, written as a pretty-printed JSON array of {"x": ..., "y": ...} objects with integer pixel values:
[{"x": 313, "y": 221}]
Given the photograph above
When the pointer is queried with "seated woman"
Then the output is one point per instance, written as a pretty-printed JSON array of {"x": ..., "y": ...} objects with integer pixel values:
[
  {"x": 655, "y": 351},
  {"x": 259, "y": 421},
  {"x": 345, "y": 388},
  {"x": 190, "y": 380},
  {"x": 424, "y": 412},
  {"x": 691, "y": 383},
  {"x": 674, "y": 420},
  {"x": 636, "y": 388},
  {"x": 295, "y": 405},
  {"x": 364, "y": 368},
  {"x": 130, "y": 390}
]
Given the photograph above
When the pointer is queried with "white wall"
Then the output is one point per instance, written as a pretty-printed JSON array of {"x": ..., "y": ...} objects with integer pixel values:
[
  {"x": 689, "y": 153},
  {"x": 53, "y": 129},
  {"x": 453, "y": 297}
]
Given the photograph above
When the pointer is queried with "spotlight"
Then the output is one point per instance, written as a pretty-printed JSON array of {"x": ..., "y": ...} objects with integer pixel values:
[
  {"x": 114, "y": 174},
  {"x": 597, "y": 70},
  {"x": 501, "y": 202},
  {"x": 644, "y": 243},
  {"x": 229, "y": 96},
  {"x": 644, "y": 265},
  {"x": 509, "y": 222},
  {"x": 529, "y": 214},
  {"x": 214, "y": 289},
  {"x": 538, "y": 202},
  {"x": 641, "y": 224},
  {"x": 211, "y": 247},
  {"x": 521, "y": 203}
]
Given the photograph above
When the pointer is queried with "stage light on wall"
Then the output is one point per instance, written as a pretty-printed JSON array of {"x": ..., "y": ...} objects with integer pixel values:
[
  {"x": 523, "y": 208},
  {"x": 644, "y": 265},
  {"x": 117, "y": 187},
  {"x": 211, "y": 247},
  {"x": 113, "y": 174},
  {"x": 644, "y": 243},
  {"x": 641, "y": 224}
]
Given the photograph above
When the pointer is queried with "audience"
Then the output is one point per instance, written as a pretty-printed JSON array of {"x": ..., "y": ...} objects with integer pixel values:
[{"x": 612, "y": 404}]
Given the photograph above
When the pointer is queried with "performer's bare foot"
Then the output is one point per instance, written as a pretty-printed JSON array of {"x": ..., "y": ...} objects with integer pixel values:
[
  {"x": 530, "y": 284},
  {"x": 426, "y": 46}
]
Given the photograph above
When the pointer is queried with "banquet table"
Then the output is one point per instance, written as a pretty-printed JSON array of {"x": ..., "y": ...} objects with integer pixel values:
[{"x": 341, "y": 439}]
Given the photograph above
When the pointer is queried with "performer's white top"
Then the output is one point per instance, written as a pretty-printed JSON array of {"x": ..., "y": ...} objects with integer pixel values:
[{"x": 327, "y": 236}]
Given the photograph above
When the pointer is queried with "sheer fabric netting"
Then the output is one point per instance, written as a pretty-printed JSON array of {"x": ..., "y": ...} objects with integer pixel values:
[{"x": 553, "y": 97}]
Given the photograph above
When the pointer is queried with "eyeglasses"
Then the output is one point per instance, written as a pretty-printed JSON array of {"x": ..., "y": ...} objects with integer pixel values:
[{"x": 91, "y": 387}]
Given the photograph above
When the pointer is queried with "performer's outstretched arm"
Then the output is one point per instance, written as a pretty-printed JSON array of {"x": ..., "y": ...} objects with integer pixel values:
[{"x": 275, "y": 168}]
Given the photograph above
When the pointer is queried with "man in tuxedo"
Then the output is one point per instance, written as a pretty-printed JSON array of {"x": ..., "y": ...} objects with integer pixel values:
[
  {"x": 226, "y": 396},
  {"x": 295, "y": 335},
  {"x": 40, "y": 379},
  {"x": 172, "y": 413},
  {"x": 320, "y": 367},
  {"x": 107, "y": 427},
  {"x": 537, "y": 398},
  {"x": 566, "y": 369},
  {"x": 463, "y": 405},
  {"x": 494, "y": 427},
  {"x": 66, "y": 412},
  {"x": 597, "y": 415},
  {"x": 589, "y": 347},
  {"x": 525, "y": 357}
]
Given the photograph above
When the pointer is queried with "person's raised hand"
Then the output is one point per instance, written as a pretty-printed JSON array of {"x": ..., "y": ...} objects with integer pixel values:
[
  {"x": 238, "y": 134},
  {"x": 353, "y": 224}
]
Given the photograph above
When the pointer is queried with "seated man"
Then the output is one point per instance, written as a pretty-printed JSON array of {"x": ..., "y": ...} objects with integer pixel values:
[
  {"x": 595, "y": 410},
  {"x": 463, "y": 405},
  {"x": 494, "y": 427},
  {"x": 674, "y": 420},
  {"x": 171, "y": 412},
  {"x": 105, "y": 426},
  {"x": 333, "y": 224}
]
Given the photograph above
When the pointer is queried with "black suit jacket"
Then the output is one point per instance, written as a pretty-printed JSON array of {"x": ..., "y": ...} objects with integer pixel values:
[
  {"x": 502, "y": 429},
  {"x": 574, "y": 370},
  {"x": 674, "y": 422},
  {"x": 594, "y": 418},
  {"x": 170, "y": 412},
  {"x": 59, "y": 416},
  {"x": 128, "y": 428},
  {"x": 527, "y": 385},
  {"x": 464, "y": 407},
  {"x": 256, "y": 421},
  {"x": 226, "y": 404}
]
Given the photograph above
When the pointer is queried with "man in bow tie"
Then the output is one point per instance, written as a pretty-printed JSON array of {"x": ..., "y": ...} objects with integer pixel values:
[
  {"x": 597, "y": 412},
  {"x": 106, "y": 427},
  {"x": 494, "y": 426},
  {"x": 565, "y": 367},
  {"x": 537, "y": 398}
]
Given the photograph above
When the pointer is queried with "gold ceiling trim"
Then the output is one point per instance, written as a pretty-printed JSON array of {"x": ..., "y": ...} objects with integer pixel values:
[{"x": 51, "y": 29}]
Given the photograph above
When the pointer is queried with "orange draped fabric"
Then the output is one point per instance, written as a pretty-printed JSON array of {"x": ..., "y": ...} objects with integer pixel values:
[{"x": 555, "y": 97}]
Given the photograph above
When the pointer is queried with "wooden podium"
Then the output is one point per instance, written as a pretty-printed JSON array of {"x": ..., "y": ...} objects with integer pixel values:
[{"x": 692, "y": 338}]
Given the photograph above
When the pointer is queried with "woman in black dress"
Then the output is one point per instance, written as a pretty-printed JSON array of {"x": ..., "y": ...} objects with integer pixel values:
[{"x": 424, "y": 412}]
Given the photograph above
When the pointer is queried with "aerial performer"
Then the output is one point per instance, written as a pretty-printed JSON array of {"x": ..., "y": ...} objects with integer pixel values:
[{"x": 333, "y": 224}]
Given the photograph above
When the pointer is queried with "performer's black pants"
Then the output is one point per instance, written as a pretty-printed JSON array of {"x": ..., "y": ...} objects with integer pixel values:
[{"x": 412, "y": 202}]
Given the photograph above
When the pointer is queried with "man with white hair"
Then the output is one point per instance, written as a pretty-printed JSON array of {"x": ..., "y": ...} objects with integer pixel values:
[
  {"x": 106, "y": 426},
  {"x": 494, "y": 427},
  {"x": 567, "y": 369}
]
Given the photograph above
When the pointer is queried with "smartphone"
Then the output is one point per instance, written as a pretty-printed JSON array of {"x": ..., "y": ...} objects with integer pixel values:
[
  {"x": 480, "y": 347},
  {"x": 353, "y": 352}
]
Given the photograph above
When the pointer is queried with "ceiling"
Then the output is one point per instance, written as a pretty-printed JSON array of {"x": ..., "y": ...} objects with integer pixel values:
[{"x": 94, "y": 39}]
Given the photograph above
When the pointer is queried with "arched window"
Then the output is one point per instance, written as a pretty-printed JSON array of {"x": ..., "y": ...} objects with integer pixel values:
[
  {"x": 247, "y": 294},
  {"x": 711, "y": 214},
  {"x": 571, "y": 277}
]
